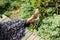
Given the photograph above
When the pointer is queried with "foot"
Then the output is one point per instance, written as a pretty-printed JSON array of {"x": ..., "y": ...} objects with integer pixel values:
[{"x": 33, "y": 17}]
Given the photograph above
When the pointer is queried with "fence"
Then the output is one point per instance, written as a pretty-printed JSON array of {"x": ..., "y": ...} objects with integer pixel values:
[{"x": 55, "y": 4}]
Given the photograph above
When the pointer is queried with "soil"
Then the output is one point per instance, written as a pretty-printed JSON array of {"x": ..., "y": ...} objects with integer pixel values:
[{"x": 15, "y": 14}]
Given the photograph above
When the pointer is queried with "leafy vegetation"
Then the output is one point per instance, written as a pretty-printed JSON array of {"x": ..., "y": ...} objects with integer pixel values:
[
  {"x": 47, "y": 26},
  {"x": 6, "y": 6},
  {"x": 50, "y": 28},
  {"x": 26, "y": 10}
]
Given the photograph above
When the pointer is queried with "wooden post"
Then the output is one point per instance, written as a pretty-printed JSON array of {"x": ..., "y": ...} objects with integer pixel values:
[{"x": 56, "y": 6}]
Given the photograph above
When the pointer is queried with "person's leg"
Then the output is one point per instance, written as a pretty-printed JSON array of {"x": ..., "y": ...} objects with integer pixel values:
[{"x": 33, "y": 17}]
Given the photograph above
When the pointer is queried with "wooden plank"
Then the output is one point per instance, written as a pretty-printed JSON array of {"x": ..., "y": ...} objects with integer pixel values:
[
  {"x": 26, "y": 31},
  {"x": 26, "y": 35},
  {"x": 31, "y": 37},
  {"x": 4, "y": 18},
  {"x": 38, "y": 38}
]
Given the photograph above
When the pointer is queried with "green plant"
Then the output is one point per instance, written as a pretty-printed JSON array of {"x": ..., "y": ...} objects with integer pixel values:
[
  {"x": 28, "y": 7},
  {"x": 7, "y": 13},
  {"x": 2, "y": 2},
  {"x": 6, "y": 6},
  {"x": 50, "y": 28},
  {"x": 26, "y": 10},
  {"x": 15, "y": 4},
  {"x": 50, "y": 11}
]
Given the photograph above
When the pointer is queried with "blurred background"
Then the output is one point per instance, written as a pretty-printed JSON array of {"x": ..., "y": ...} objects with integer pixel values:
[{"x": 48, "y": 24}]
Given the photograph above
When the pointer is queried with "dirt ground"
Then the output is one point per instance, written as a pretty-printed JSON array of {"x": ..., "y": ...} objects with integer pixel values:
[{"x": 15, "y": 14}]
